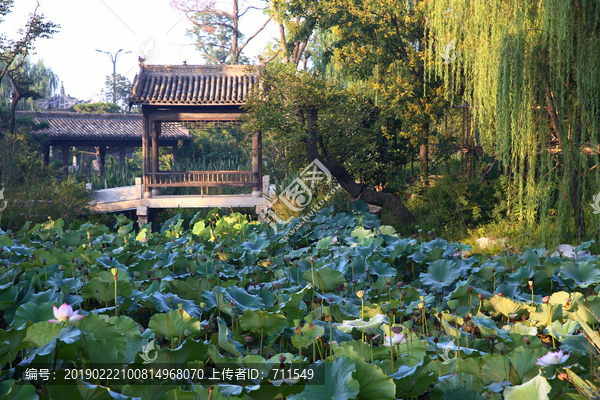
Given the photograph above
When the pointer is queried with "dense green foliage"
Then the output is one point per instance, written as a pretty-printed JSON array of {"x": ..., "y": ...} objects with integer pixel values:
[
  {"x": 530, "y": 69},
  {"x": 324, "y": 297}
]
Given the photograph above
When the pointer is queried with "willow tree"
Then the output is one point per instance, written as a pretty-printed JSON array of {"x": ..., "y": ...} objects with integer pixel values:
[{"x": 530, "y": 71}]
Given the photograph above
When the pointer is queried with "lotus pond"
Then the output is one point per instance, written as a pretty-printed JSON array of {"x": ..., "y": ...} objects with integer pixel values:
[{"x": 340, "y": 308}]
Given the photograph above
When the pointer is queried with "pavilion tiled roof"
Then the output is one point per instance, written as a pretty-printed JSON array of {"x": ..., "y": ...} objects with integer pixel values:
[
  {"x": 192, "y": 84},
  {"x": 67, "y": 125}
]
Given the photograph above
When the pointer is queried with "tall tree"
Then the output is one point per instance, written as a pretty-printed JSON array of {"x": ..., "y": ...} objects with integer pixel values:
[
  {"x": 213, "y": 39},
  {"x": 35, "y": 28},
  {"x": 23, "y": 87},
  {"x": 380, "y": 46},
  {"x": 116, "y": 89},
  {"x": 316, "y": 119},
  {"x": 228, "y": 23},
  {"x": 530, "y": 69},
  {"x": 44, "y": 81},
  {"x": 15, "y": 52}
]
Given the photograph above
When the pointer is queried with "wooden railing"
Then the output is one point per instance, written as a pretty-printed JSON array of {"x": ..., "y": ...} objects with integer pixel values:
[{"x": 201, "y": 178}]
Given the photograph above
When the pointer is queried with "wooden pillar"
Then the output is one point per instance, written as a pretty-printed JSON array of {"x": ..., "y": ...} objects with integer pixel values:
[
  {"x": 65, "y": 159},
  {"x": 102, "y": 159},
  {"x": 146, "y": 152},
  {"x": 175, "y": 156},
  {"x": 46, "y": 155},
  {"x": 122, "y": 159},
  {"x": 257, "y": 164},
  {"x": 155, "y": 191}
]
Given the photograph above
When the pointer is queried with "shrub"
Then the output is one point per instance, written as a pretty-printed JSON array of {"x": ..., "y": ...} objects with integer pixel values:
[{"x": 456, "y": 202}]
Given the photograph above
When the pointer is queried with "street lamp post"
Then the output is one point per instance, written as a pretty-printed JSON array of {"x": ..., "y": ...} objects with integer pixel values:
[{"x": 113, "y": 59}]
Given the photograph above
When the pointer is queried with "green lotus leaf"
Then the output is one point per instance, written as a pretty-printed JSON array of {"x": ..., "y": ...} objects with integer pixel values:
[
  {"x": 100, "y": 352},
  {"x": 150, "y": 392},
  {"x": 9, "y": 390},
  {"x": 586, "y": 273},
  {"x": 495, "y": 369},
  {"x": 546, "y": 314},
  {"x": 262, "y": 322},
  {"x": 11, "y": 342},
  {"x": 520, "y": 329},
  {"x": 98, "y": 328},
  {"x": 41, "y": 333},
  {"x": 223, "y": 303},
  {"x": 174, "y": 324},
  {"x": 588, "y": 310},
  {"x": 365, "y": 351},
  {"x": 295, "y": 305},
  {"x": 361, "y": 325},
  {"x": 462, "y": 393},
  {"x": 166, "y": 302},
  {"x": 33, "y": 313},
  {"x": 435, "y": 254},
  {"x": 8, "y": 296},
  {"x": 381, "y": 268},
  {"x": 257, "y": 246},
  {"x": 180, "y": 394},
  {"x": 82, "y": 390},
  {"x": 559, "y": 329},
  {"x": 413, "y": 381},
  {"x": 497, "y": 305},
  {"x": 374, "y": 384},
  {"x": 441, "y": 273},
  {"x": 325, "y": 279},
  {"x": 105, "y": 291},
  {"x": 522, "y": 361},
  {"x": 339, "y": 383},
  {"x": 225, "y": 341},
  {"x": 536, "y": 389},
  {"x": 522, "y": 275},
  {"x": 450, "y": 387},
  {"x": 244, "y": 300},
  {"x": 307, "y": 336}
]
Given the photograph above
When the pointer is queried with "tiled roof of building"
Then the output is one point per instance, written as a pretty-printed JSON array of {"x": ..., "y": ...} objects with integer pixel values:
[
  {"x": 192, "y": 84},
  {"x": 67, "y": 125}
]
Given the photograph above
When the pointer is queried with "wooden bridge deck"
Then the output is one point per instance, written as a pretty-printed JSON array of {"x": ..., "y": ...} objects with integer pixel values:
[{"x": 132, "y": 198}]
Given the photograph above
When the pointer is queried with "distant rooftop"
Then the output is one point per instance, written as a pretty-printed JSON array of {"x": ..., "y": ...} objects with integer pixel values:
[
  {"x": 68, "y": 125},
  {"x": 192, "y": 84},
  {"x": 59, "y": 101}
]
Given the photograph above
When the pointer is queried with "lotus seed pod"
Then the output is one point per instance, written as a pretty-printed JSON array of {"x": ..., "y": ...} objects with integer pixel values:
[
  {"x": 360, "y": 294},
  {"x": 187, "y": 332}
]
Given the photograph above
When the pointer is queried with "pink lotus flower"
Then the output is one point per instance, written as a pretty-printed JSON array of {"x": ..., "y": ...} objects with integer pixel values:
[
  {"x": 397, "y": 339},
  {"x": 552, "y": 358},
  {"x": 65, "y": 314}
]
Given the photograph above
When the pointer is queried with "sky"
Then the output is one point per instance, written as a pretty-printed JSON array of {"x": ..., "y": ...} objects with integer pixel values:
[{"x": 149, "y": 27}]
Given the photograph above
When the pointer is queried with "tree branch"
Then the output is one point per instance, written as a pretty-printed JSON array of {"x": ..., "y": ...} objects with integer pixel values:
[{"x": 253, "y": 36}]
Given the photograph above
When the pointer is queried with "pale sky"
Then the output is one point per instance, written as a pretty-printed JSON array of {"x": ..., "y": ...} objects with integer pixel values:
[{"x": 148, "y": 27}]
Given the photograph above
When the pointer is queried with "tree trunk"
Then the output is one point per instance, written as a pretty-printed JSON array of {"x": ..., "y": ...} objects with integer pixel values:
[
  {"x": 16, "y": 96},
  {"x": 235, "y": 36},
  {"x": 388, "y": 201},
  {"x": 424, "y": 152}
]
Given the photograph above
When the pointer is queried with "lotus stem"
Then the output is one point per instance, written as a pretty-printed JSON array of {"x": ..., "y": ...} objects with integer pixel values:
[
  {"x": 458, "y": 352},
  {"x": 261, "y": 340}
]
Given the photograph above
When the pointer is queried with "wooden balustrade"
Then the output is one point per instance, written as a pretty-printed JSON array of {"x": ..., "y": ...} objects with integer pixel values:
[{"x": 202, "y": 179}]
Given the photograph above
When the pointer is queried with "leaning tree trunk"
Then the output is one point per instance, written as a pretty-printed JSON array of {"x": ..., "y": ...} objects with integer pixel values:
[{"x": 387, "y": 201}]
